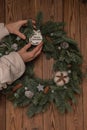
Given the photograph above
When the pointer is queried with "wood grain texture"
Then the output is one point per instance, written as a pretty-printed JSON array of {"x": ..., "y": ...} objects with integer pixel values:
[
  {"x": 83, "y": 17},
  {"x": 74, "y": 120},
  {"x": 2, "y": 113},
  {"x": 73, "y": 12}
]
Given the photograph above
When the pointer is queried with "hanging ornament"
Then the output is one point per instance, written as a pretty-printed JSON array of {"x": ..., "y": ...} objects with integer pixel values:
[
  {"x": 40, "y": 87},
  {"x": 29, "y": 94},
  {"x": 36, "y": 38},
  {"x": 61, "y": 78},
  {"x": 64, "y": 45}
]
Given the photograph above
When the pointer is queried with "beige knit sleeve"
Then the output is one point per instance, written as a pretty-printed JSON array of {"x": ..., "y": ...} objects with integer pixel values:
[
  {"x": 3, "y": 31},
  {"x": 11, "y": 68}
]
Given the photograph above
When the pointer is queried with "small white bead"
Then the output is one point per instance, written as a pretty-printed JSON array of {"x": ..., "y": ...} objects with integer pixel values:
[
  {"x": 69, "y": 71},
  {"x": 59, "y": 48},
  {"x": 51, "y": 34},
  {"x": 26, "y": 88},
  {"x": 52, "y": 91}
]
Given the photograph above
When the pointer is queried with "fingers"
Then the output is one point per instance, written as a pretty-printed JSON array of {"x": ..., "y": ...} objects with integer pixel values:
[
  {"x": 34, "y": 27},
  {"x": 22, "y": 22},
  {"x": 37, "y": 48},
  {"x": 30, "y": 55},
  {"x": 33, "y": 21},
  {"x": 21, "y": 35},
  {"x": 35, "y": 52},
  {"x": 26, "y": 47}
]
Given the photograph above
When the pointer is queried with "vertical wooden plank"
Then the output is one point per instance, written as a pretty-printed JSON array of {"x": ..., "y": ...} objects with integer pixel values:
[
  {"x": 74, "y": 120},
  {"x": 2, "y": 99},
  {"x": 2, "y": 113},
  {"x": 14, "y": 120},
  {"x": 13, "y": 10},
  {"x": 2, "y": 11},
  {"x": 83, "y": 17},
  {"x": 52, "y": 9}
]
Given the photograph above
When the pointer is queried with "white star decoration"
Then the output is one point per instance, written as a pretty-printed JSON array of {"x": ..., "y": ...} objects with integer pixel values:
[{"x": 40, "y": 87}]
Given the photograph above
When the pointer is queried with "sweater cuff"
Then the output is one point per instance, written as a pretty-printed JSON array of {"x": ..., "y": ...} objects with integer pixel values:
[{"x": 3, "y": 31}]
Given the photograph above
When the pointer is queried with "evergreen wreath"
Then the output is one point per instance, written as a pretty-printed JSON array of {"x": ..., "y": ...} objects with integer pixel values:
[{"x": 37, "y": 93}]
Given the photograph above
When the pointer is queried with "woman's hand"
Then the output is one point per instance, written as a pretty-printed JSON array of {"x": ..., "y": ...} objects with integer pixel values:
[
  {"x": 30, "y": 55},
  {"x": 14, "y": 28},
  {"x": 26, "y": 55}
]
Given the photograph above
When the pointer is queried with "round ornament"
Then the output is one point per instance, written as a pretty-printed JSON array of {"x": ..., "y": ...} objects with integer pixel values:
[
  {"x": 29, "y": 94},
  {"x": 61, "y": 78},
  {"x": 64, "y": 45},
  {"x": 36, "y": 38}
]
